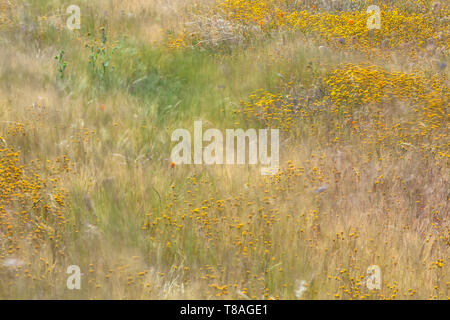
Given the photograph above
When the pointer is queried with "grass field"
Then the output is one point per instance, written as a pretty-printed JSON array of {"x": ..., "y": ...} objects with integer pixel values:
[{"x": 86, "y": 177}]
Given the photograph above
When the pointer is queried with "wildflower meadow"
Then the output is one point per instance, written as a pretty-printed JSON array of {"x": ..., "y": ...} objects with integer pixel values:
[{"x": 224, "y": 149}]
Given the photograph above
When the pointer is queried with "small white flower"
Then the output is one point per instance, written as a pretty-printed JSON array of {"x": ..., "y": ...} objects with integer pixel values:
[
  {"x": 301, "y": 288},
  {"x": 321, "y": 189},
  {"x": 324, "y": 49},
  {"x": 12, "y": 263},
  {"x": 91, "y": 231}
]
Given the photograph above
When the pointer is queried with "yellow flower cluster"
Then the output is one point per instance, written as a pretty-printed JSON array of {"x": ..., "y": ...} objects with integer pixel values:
[
  {"x": 31, "y": 207},
  {"x": 346, "y": 28},
  {"x": 274, "y": 109},
  {"x": 5, "y": 18},
  {"x": 250, "y": 11},
  {"x": 358, "y": 95},
  {"x": 429, "y": 98}
]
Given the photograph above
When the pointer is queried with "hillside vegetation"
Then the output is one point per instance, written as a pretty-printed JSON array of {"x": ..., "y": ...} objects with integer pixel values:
[{"x": 86, "y": 179}]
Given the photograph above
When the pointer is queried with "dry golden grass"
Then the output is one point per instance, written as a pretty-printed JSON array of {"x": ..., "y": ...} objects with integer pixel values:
[{"x": 363, "y": 179}]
